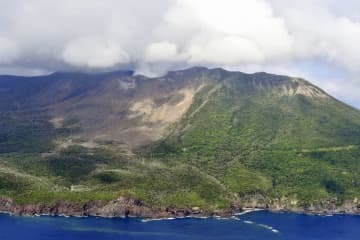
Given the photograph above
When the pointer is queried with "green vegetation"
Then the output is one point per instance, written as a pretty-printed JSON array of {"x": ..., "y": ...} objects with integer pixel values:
[
  {"x": 104, "y": 175},
  {"x": 244, "y": 137},
  {"x": 24, "y": 132},
  {"x": 264, "y": 142}
]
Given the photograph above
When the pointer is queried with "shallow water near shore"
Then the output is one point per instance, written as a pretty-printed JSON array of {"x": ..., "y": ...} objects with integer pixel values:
[{"x": 252, "y": 226}]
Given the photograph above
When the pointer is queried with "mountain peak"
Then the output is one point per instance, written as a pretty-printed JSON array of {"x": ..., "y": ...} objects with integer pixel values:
[{"x": 211, "y": 136}]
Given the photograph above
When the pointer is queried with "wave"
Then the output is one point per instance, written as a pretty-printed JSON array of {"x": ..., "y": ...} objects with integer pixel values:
[
  {"x": 248, "y": 210},
  {"x": 157, "y": 219},
  {"x": 274, "y": 230}
]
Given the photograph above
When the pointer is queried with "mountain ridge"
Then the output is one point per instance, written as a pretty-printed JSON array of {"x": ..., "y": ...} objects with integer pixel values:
[
  {"x": 196, "y": 138},
  {"x": 83, "y": 83}
]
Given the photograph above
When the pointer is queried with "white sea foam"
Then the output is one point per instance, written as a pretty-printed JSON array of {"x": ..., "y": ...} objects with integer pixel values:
[
  {"x": 157, "y": 219},
  {"x": 263, "y": 226},
  {"x": 248, "y": 210},
  {"x": 269, "y": 228},
  {"x": 249, "y": 222}
]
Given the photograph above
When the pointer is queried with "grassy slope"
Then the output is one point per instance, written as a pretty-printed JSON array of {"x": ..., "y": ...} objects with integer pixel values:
[
  {"x": 237, "y": 138},
  {"x": 79, "y": 175},
  {"x": 257, "y": 141}
]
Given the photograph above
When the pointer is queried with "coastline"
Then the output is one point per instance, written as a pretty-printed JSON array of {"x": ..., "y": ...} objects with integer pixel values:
[{"x": 124, "y": 207}]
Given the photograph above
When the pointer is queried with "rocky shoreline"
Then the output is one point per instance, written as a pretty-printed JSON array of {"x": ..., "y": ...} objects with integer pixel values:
[
  {"x": 126, "y": 207},
  {"x": 120, "y": 207}
]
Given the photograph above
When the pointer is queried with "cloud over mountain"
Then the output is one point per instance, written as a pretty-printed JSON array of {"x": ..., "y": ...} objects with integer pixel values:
[{"x": 55, "y": 35}]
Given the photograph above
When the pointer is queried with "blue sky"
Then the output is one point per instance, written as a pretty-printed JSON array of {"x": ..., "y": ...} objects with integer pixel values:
[{"x": 333, "y": 79}]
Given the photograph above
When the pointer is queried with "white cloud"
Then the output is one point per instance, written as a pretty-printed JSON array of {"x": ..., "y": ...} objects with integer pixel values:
[
  {"x": 320, "y": 29},
  {"x": 8, "y": 51},
  {"x": 229, "y": 50},
  {"x": 162, "y": 52},
  {"x": 93, "y": 52},
  {"x": 228, "y": 32},
  {"x": 123, "y": 32}
]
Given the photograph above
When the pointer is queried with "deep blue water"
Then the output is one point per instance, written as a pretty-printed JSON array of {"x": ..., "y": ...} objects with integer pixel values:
[{"x": 257, "y": 225}]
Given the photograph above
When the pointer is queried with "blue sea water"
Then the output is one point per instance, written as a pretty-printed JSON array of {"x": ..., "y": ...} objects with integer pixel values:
[{"x": 261, "y": 225}]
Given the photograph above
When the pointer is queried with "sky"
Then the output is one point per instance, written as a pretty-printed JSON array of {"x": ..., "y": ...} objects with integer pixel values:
[{"x": 315, "y": 39}]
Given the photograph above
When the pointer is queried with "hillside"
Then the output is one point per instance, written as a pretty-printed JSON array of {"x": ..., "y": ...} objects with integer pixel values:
[{"x": 198, "y": 138}]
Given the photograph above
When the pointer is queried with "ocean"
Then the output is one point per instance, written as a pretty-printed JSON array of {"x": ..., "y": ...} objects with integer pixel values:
[{"x": 261, "y": 225}]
